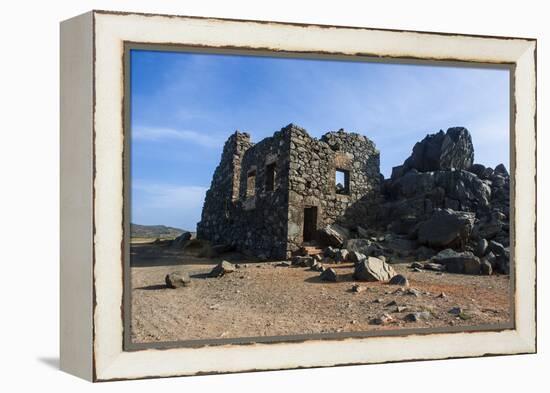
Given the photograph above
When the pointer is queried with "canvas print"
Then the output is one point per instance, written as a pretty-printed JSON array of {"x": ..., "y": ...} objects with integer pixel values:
[{"x": 280, "y": 198}]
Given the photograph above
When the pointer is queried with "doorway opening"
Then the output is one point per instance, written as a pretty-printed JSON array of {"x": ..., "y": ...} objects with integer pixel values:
[{"x": 310, "y": 223}]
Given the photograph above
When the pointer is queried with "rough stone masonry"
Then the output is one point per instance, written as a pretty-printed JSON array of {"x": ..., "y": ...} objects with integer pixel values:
[{"x": 269, "y": 198}]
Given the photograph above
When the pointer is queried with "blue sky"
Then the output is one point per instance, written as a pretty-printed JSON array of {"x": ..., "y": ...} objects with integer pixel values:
[{"x": 184, "y": 106}]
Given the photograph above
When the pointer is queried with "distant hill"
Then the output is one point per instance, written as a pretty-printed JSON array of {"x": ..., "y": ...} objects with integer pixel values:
[{"x": 154, "y": 231}]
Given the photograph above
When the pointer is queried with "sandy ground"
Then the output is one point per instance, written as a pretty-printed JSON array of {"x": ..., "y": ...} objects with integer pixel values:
[{"x": 262, "y": 299}]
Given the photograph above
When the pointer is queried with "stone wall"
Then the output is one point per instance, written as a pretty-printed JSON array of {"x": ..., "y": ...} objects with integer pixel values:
[
  {"x": 243, "y": 210},
  {"x": 312, "y": 180}
]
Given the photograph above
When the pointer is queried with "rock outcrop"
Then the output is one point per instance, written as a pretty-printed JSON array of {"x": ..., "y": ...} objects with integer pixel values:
[{"x": 441, "y": 151}]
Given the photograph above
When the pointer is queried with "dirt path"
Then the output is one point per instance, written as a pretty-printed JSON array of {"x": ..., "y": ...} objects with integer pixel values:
[{"x": 264, "y": 300}]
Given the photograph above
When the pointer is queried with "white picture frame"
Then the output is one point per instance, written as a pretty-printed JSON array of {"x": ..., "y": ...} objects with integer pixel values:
[{"x": 93, "y": 189}]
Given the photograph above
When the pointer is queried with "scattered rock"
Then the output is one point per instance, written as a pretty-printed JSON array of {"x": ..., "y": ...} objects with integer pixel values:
[
  {"x": 401, "y": 308},
  {"x": 455, "y": 262},
  {"x": 177, "y": 280},
  {"x": 221, "y": 269},
  {"x": 333, "y": 235},
  {"x": 358, "y": 288},
  {"x": 302, "y": 261},
  {"x": 373, "y": 269},
  {"x": 417, "y": 265},
  {"x": 486, "y": 267},
  {"x": 362, "y": 246},
  {"x": 355, "y": 256},
  {"x": 442, "y": 295},
  {"x": 384, "y": 319},
  {"x": 399, "y": 279},
  {"x": 417, "y": 316},
  {"x": 455, "y": 310},
  {"x": 436, "y": 267},
  {"x": 283, "y": 264},
  {"x": 481, "y": 248},
  {"x": 329, "y": 275},
  {"x": 392, "y": 303},
  {"x": 330, "y": 252},
  {"x": 412, "y": 292},
  {"x": 341, "y": 255},
  {"x": 317, "y": 267}
]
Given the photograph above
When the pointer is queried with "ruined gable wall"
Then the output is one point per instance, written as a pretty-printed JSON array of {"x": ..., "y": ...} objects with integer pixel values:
[
  {"x": 215, "y": 224},
  {"x": 312, "y": 179}
]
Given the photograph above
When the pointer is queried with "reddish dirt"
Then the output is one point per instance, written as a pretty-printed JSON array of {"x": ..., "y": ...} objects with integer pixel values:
[{"x": 264, "y": 300}]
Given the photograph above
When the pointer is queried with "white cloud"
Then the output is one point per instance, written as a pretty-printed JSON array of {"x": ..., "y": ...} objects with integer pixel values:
[
  {"x": 169, "y": 196},
  {"x": 162, "y": 134},
  {"x": 174, "y": 205}
]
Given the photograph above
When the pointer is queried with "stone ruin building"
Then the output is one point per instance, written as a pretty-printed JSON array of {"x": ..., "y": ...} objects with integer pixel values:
[{"x": 270, "y": 198}]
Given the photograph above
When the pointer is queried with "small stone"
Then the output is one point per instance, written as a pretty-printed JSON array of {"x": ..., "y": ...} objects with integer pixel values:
[
  {"x": 302, "y": 261},
  {"x": 442, "y": 295},
  {"x": 377, "y": 300},
  {"x": 437, "y": 267},
  {"x": 401, "y": 308},
  {"x": 455, "y": 311},
  {"x": 316, "y": 267},
  {"x": 417, "y": 316},
  {"x": 416, "y": 265},
  {"x": 486, "y": 267},
  {"x": 221, "y": 269},
  {"x": 413, "y": 292},
  {"x": 329, "y": 275},
  {"x": 399, "y": 279},
  {"x": 283, "y": 264},
  {"x": 384, "y": 319},
  {"x": 177, "y": 280},
  {"x": 392, "y": 303},
  {"x": 358, "y": 288}
]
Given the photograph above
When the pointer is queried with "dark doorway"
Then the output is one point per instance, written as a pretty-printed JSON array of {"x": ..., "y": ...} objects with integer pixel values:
[{"x": 310, "y": 223}]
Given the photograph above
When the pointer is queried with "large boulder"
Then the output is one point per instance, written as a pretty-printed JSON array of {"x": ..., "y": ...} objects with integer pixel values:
[
  {"x": 458, "y": 262},
  {"x": 177, "y": 280},
  {"x": 333, "y": 235},
  {"x": 373, "y": 269},
  {"x": 442, "y": 151},
  {"x": 446, "y": 228}
]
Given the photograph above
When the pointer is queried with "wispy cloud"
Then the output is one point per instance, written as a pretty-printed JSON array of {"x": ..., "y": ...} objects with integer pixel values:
[
  {"x": 154, "y": 203},
  {"x": 156, "y": 134}
]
